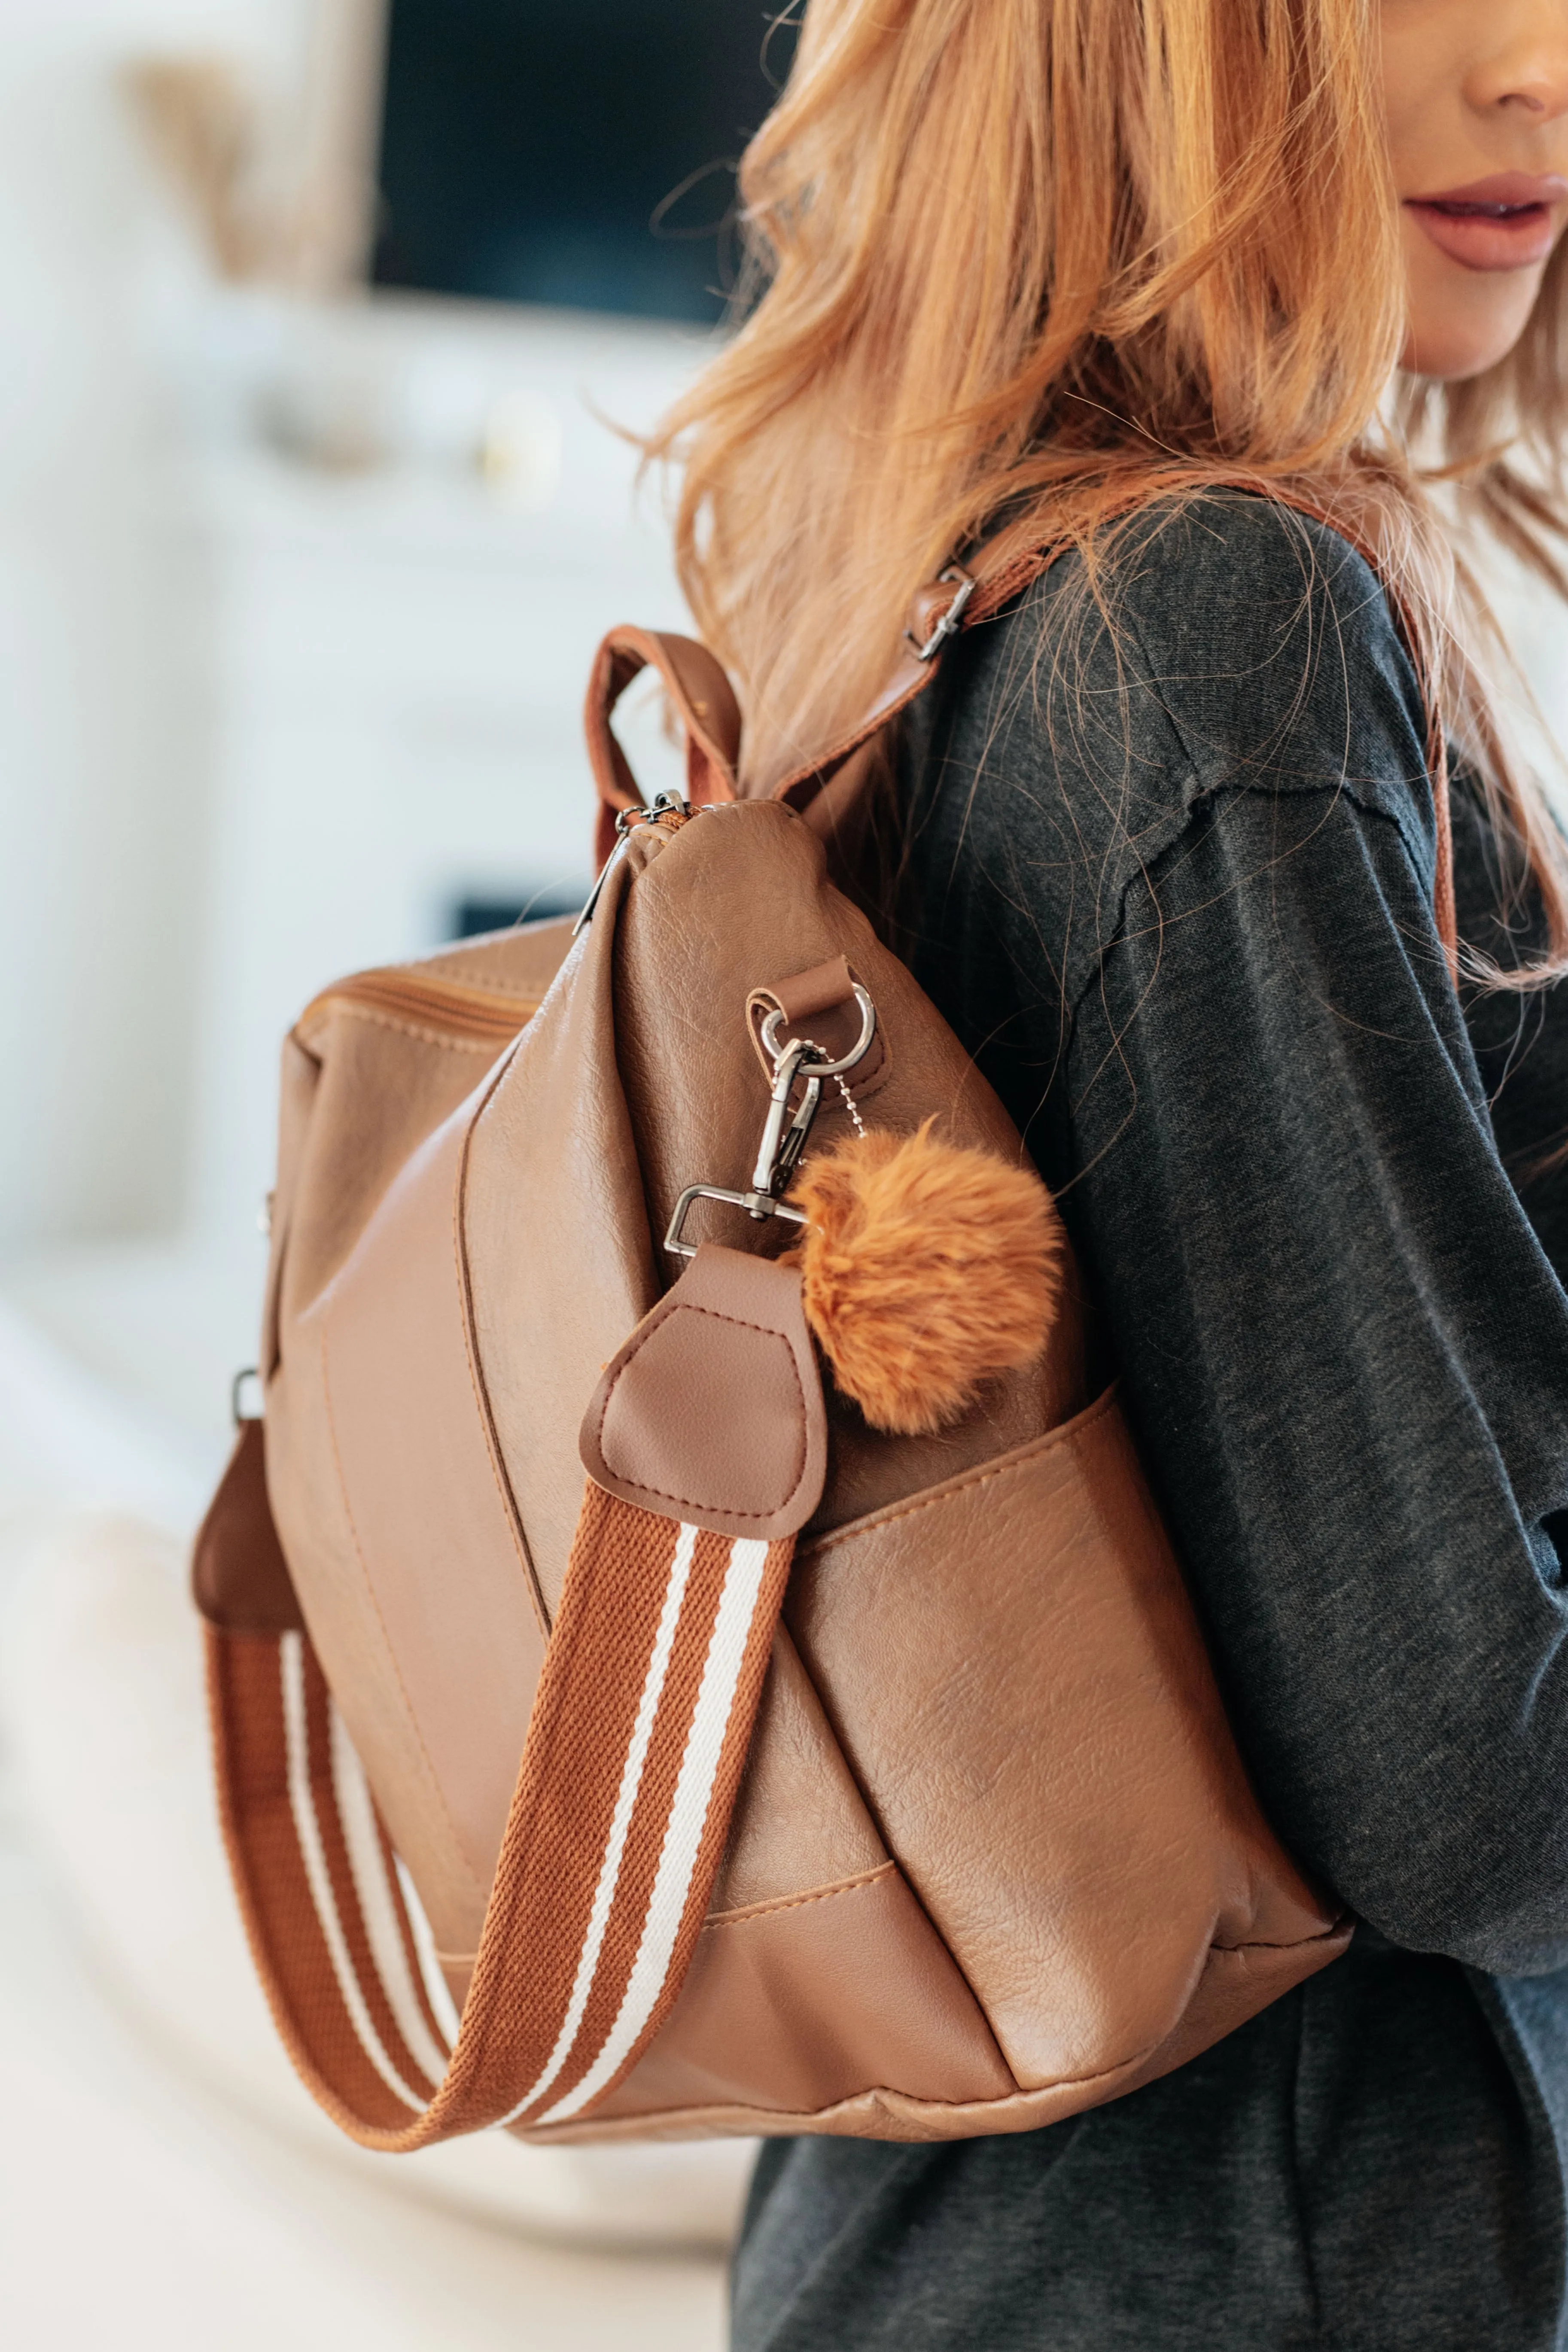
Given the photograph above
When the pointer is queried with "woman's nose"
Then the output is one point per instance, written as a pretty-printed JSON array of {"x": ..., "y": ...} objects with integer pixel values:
[{"x": 1522, "y": 59}]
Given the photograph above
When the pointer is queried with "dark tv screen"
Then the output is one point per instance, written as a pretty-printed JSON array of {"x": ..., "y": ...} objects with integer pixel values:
[{"x": 531, "y": 151}]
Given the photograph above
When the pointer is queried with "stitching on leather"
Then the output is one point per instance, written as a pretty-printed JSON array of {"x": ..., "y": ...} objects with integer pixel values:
[
  {"x": 693, "y": 1502},
  {"x": 451, "y": 968},
  {"x": 475, "y": 1880},
  {"x": 745, "y": 1911},
  {"x": 971, "y": 1479},
  {"x": 345, "y": 1009}
]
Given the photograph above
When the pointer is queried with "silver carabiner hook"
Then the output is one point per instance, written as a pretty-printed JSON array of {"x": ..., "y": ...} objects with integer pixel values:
[
  {"x": 775, "y": 1157},
  {"x": 783, "y": 1137}
]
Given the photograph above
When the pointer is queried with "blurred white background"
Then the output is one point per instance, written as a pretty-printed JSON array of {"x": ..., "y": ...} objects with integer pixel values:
[{"x": 297, "y": 602}]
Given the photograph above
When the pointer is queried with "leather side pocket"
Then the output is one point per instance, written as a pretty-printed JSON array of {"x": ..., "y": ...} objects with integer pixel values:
[
  {"x": 798, "y": 2006},
  {"x": 1016, "y": 1677},
  {"x": 817, "y": 1976}
]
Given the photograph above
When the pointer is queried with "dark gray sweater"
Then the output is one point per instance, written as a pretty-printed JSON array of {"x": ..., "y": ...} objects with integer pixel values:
[{"x": 1174, "y": 891}]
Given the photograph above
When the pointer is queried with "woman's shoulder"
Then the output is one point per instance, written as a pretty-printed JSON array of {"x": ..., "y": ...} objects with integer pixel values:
[
  {"x": 1204, "y": 577},
  {"x": 1225, "y": 642}
]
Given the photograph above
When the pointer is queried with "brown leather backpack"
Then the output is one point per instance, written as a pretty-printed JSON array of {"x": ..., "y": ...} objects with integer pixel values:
[{"x": 869, "y": 1784}]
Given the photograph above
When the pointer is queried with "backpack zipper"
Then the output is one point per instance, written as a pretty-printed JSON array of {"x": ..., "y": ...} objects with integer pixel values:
[
  {"x": 668, "y": 810},
  {"x": 426, "y": 1001}
]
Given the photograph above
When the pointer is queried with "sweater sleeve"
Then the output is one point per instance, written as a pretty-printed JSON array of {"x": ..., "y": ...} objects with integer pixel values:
[
  {"x": 1521, "y": 1041},
  {"x": 1345, "y": 1353}
]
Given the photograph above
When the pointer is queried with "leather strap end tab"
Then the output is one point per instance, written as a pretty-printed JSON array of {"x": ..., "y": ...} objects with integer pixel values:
[
  {"x": 712, "y": 1412},
  {"x": 239, "y": 1578},
  {"x": 826, "y": 984}
]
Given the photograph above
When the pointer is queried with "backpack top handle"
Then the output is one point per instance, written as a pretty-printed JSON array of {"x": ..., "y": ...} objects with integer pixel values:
[{"x": 703, "y": 702}]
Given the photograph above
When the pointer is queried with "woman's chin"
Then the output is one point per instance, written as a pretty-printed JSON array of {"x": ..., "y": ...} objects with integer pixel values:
[
  {"x": 1462, "y": 320},
  {"x": 1455, "y": 349}
]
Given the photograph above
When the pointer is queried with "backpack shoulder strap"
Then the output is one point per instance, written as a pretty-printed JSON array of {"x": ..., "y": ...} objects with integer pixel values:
[{"x": 823, "y": 790}]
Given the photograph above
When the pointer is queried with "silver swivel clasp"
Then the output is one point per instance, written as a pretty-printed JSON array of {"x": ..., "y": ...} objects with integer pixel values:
[{"x": 784, "y": 1133}]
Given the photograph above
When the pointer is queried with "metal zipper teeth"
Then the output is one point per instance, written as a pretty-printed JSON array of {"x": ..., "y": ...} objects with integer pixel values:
[{"x": 428, "y": 1003}]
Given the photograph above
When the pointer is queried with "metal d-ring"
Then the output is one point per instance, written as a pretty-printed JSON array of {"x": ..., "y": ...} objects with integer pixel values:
[{"x": 821, "y": 1068}]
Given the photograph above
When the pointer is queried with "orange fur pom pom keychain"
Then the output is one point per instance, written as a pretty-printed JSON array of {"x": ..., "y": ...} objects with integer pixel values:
[{"x": 925, "y": 1269}]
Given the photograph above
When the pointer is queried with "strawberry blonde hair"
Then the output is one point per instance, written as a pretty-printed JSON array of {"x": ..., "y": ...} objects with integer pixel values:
[{"x": 1064, "y": 258}]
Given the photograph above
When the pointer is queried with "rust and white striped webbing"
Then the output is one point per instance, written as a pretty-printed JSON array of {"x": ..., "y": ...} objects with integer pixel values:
[{"x": 635, "y": 1748}]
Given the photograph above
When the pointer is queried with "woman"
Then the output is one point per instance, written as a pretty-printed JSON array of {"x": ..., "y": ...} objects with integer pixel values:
[{"x": 1150, "y": 269}]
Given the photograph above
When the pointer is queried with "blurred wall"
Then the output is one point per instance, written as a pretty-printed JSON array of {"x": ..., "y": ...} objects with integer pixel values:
[
  {"x": 395, "y": 655},
  {"x": 271, "y": 704},
  {"x": 99, "y": 816}
]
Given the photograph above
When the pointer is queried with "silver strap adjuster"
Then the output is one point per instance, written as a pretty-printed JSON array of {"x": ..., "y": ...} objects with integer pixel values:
[{"x": 947, "y": 627}]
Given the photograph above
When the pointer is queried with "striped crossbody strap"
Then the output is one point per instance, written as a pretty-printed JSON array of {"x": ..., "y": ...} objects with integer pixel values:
[{"x": 636, "y": 1744}]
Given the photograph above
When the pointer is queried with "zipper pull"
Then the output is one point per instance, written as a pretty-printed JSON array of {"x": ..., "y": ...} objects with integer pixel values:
[{"x": 668, "y": 809}]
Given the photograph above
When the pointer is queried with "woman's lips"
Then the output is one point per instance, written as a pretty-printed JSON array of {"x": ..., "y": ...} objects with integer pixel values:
[{"x": 1509, "y": 222}]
